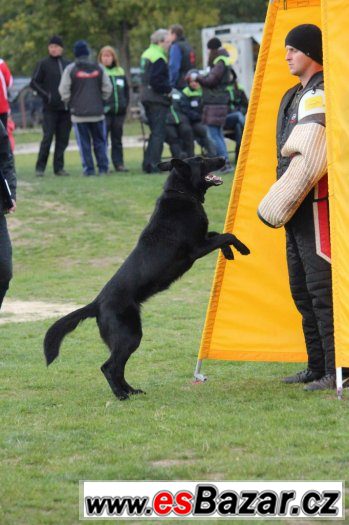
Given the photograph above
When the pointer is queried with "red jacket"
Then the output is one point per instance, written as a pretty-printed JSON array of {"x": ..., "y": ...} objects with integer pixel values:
[{"x": 5, "y": 82}]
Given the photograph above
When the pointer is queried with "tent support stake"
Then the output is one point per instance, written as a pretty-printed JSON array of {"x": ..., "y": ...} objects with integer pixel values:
[
  {"x": 339, "y": 382},
  {"x": 197, "y": 376}
]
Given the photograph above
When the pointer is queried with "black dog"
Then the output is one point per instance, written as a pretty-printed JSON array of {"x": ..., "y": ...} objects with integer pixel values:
[{"x": 177, "y": 235}]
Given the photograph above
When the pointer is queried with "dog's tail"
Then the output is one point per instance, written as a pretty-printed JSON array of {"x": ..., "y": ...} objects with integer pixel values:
[{"x": 55, "y": 334}]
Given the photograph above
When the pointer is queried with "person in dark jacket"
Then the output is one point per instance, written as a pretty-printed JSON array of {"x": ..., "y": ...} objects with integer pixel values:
[
  {"x": 181, "y": 57},
  {"x": 216, "y": 96},
  {"x": 85, "y": 86},
  {"x": 155, "y": 96},
  {"x": 303, "y": 208},
  {"x": 7, "y": 205},
  {"x": 116, "y": 106},
  {"x": 191, "y": 106},
  {"x": 56, "y": 117}
]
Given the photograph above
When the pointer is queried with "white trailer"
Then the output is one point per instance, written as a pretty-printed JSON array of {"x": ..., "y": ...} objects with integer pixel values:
[{"x": 242, "y": 41}]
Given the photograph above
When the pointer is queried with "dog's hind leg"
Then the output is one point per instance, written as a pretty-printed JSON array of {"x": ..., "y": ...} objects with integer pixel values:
[
  {"x": 108, "y": 369},
  {"x": 123, "y": 336}
]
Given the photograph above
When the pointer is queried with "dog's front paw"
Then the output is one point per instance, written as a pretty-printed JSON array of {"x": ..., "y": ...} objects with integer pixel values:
[
  {"x": 240, "y": 246},
  {"x": 228, "y": 253}
]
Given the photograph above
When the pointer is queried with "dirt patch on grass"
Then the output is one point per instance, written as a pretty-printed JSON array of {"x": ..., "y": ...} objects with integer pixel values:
[
  {"x": 15, "y": 311},
  {"x": 166, "y": 463}
]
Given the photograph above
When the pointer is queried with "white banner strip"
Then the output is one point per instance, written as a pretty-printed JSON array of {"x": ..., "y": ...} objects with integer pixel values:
[{"x": 207, "y": 499}]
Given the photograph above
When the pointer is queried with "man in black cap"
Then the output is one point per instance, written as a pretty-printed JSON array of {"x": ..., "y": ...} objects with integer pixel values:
[
  {"x": 84, "y": 86},
  {"x": 56, "y": 117},
  {"x": 301, "y": 151}
]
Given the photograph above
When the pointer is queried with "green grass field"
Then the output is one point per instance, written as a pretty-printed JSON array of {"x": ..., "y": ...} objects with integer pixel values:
[
  {"x": 62, "y": 424},
  {"x": 24, "y": 136}
]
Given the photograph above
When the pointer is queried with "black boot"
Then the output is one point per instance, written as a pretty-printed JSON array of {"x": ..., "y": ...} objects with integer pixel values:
[{"x": 305, "y": 376}]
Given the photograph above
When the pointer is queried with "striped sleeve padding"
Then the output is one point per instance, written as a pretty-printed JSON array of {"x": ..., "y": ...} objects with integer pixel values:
[{"x": 307, "y": 147}]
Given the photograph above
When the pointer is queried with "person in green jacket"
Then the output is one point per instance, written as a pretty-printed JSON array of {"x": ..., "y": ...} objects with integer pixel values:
[
  {"x": 155, "y": 96},
  {"x": 115, "y": 107}
]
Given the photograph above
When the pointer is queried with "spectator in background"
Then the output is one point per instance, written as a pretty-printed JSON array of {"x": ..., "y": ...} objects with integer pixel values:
[
  {"x": 116, "y": 106},
  {"x": 216, "y": 96},
  {"x": 235, "y": 120},
  {"x": 56, "y": 118},
  {"x": 5, "y": 83},
  {"x": 155, "y": 96},
  {"x": 7, "y": 172},
  {"x": 11, "y": 126},
  {"x": 84, "y": 87},
  {"x": 179, "y": 134},
  {"x": 191, "y": 106},
  {"x": 182, "y": 57}
]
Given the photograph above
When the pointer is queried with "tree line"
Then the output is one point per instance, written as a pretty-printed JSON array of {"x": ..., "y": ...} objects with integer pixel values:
[{"x": 26, "y": 25}]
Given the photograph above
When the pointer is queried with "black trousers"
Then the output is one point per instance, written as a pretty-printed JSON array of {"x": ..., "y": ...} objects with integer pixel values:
[
  {"x": 4, "y": 118},
  {"x": 55, "y": 124},
  {"x": 180, "y": 138},
  {"x": 5, "y": 258},
  {"x": 115, "y": 124},
  {"x": 156, "y": 115},
  {"x": 311, "y": 287}
]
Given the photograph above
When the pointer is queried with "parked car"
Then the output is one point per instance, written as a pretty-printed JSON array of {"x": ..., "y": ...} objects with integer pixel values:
[{"x": 26, "y": 105}]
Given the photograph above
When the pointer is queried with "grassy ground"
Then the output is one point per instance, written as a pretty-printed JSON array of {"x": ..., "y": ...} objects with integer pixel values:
[
  {"x": 62, "y": 424},
  {"x": 24, "y": 136}
]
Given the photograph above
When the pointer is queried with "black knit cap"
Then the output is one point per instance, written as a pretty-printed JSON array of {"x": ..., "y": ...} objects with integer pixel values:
[
  {"x": 81, "y": 48},
  {"x": 306, "y": 38},
  {"x": 55, "y": 39},
  {"x": 214, "y": 43}
]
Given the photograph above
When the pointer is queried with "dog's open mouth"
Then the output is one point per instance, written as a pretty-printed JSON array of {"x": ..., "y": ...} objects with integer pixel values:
[{"x": 213, "y": 179}]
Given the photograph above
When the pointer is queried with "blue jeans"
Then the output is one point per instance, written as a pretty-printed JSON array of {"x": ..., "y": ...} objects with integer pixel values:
[
  {"x": 95, "y": 132},
  {"x": 235, "y": 122},
  {"x": 234, "y": 118},
  {"x": 216, "y": 134}
]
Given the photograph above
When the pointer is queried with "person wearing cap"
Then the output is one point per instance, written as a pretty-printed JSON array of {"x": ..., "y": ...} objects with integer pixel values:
[
  {"x": 56, "y": 118},
  {"x": 216, "y": 96},
  {"x": 299, "y": 201},
  {"x": 84, "y": 87},
  {"x": 190, "y": 104}
]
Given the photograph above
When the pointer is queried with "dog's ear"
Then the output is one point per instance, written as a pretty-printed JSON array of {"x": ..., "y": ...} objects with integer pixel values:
[
  {"x": 181, "y": 166},
  {"x": 165, "y": 166}
]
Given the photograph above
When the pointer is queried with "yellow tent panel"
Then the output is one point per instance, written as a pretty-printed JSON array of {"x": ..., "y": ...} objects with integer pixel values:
[{"x": 251, "y": 315}]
